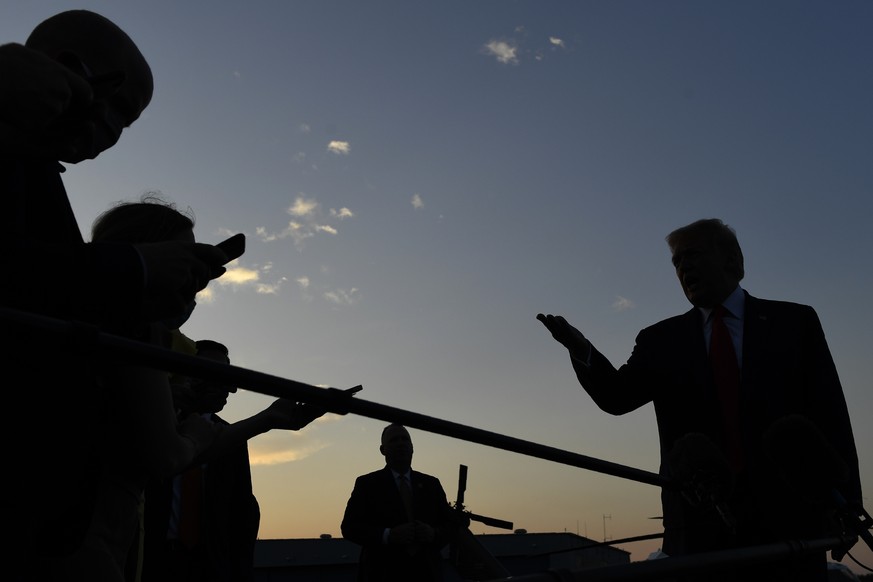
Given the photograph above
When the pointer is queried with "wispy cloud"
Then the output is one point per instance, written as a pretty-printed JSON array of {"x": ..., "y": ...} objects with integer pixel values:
[
  {"x": 503, "y": 51},
  {"x": 302, "y": 207},
  {"x": 308, "y": 221},
  {"x": 522, "y": 45},
  {"x": 270, "y": 288},
  {"x": 622, "y": 303},
  {"x": 238, "y": 276},
  {"x": 205, "y": 296},
  {"x": 343, "y": 296},
  {"x": 303, "y": 284},
  {"x": 276, "y": 447},
  {"x": 305, "y": 223},
  {"x": 417, "y": 202},
  {"x": 341, "y": 213},
  {"x": 338, "y": 147},
  {"x": 268, "y": 236}
]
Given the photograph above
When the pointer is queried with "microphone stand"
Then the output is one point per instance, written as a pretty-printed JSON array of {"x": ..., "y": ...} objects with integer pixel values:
[{"x": 855, "y": 521}]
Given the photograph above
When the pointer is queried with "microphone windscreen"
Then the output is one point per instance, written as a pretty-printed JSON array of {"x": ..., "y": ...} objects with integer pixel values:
[
  {"x": 803, "y": 455},
  {"x": 695, "y": 461}
]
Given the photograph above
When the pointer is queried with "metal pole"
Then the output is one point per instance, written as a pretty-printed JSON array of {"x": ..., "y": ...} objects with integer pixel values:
[{"x": 87, "y": 336}]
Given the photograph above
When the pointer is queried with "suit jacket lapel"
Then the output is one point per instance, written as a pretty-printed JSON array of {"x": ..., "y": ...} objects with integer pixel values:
[
  {"x": 693, "y": 322},
  {"x": 393, "y": 492},
  {"x": 756, "y": 331}
]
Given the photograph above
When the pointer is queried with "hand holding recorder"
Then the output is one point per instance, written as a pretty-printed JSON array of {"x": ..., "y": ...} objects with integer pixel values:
[{"x": 233, "y": 247}]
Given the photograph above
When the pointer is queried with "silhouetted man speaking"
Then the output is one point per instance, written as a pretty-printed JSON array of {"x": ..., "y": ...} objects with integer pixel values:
[{"x": 726, "y": 371}]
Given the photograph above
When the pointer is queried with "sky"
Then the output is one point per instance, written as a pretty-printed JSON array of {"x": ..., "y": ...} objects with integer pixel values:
[{"x": 417, "y": 180}]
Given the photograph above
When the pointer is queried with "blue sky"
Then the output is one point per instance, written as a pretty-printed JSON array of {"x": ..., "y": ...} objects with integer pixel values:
[{"x": 417, "y": 180}]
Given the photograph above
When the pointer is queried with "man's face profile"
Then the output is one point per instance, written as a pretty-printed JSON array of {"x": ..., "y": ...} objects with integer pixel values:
[
  {"x": 119, "y": 98},
  {"x": 704, "y": 271},
  {"x": 95, "y": 49}
]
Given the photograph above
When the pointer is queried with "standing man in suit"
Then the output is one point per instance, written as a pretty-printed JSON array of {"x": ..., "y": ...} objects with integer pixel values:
[
  {"x": 401, "y": 537},
  {"x": 782, "y": 366}
]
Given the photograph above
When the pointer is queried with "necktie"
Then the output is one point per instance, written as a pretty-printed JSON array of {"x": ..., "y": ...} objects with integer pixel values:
[
  {"x": 190, "y": 500},
  {"x": 726, "y": 375},
  {"x": 405, "y": 494}
]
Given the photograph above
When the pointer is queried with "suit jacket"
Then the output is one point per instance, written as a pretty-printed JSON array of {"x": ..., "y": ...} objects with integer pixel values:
[
  {"x": 787, "y": 368},
  {"x": 230, "y": 518},
  {"x": 375, "y": 505}
]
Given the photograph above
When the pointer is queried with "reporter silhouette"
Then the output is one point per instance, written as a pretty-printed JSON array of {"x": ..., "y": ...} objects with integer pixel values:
[
  {"x": 221, "y": 544},
  {"x": 67, "y": 94}
]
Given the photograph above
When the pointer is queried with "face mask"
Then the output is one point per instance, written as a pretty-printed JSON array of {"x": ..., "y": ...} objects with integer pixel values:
[{"x": 87, "y": 131}]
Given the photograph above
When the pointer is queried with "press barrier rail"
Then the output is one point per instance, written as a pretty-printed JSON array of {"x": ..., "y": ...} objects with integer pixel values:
[{"x": 86, "y": 337}]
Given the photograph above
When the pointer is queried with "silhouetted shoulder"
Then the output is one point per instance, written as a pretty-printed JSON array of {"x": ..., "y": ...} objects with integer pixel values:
[
  {"x": 374, "y": 476},
  {"x": 677, "y": 326},
  {"x": 777, "y": 306},
  {"x": 424, "y": 477},
  {"x": 785, "y": 315}
]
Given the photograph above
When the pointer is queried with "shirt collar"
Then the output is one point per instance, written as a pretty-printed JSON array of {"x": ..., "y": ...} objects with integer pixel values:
[
  {"x": 735, "y": 304},
  {"x": 407, "y": 475}
]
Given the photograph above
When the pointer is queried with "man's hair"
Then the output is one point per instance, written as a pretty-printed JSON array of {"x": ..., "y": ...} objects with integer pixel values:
[
  {"x": 392, "y": 425},
  {"x": 716, "y": 232},
  {"x": 150, "y": 220}
]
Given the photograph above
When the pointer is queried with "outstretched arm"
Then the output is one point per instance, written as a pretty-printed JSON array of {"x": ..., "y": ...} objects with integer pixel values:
[
  {"x": 615, "y": 392},
  {"x": 283, "y": 414}
]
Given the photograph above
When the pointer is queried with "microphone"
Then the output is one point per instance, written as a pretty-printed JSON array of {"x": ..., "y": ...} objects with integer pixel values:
[
  {"x": 814, "y": 469},
  {"x": 704, "y": 475}
]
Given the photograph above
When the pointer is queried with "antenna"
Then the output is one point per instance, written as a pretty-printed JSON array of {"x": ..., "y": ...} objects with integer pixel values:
[{"x": 459, "y": 504}]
